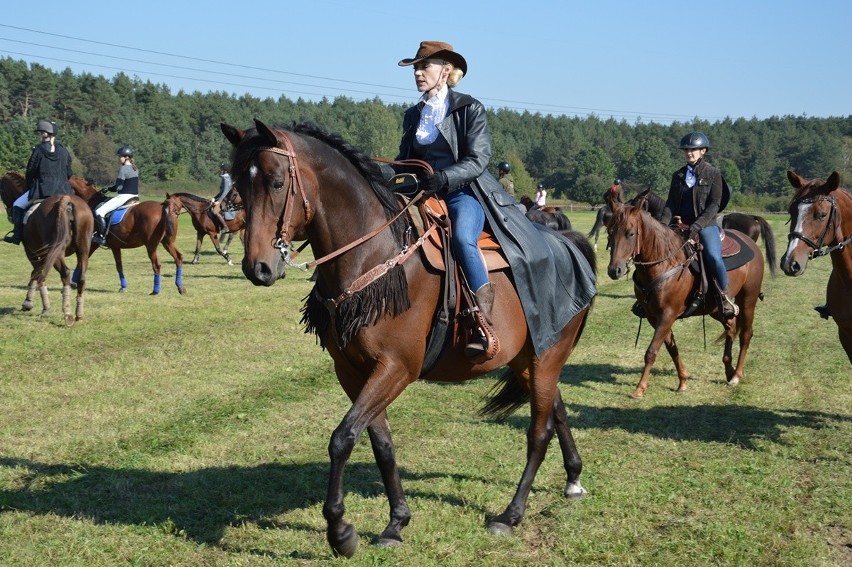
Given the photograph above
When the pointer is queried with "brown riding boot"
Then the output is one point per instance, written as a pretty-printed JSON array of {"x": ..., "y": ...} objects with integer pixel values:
[
  {"x": 729, "y": 308},
  {"x": 483, "y": 343}
]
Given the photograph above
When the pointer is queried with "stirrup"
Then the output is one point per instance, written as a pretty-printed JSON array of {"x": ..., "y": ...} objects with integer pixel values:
[
  {"x": 98, "y": 239},
  {"x": 729, "y": 308}
]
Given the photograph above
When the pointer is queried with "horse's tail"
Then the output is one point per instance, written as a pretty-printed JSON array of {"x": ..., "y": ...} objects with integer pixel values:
[
  {"x": 505, "y": 397},
  {"x": 598, "y": 222},
  {"x": 61, "y": 237},
  {"x": 170, "y": 221},
  {"x": 768, "y": 242}
]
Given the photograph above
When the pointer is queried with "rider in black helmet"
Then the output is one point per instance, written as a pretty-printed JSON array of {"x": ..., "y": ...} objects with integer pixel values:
[
  {"x": 696, "y": 196},
  {"x": 127, "y": 187},
  {"x": 504, "y": 172}
]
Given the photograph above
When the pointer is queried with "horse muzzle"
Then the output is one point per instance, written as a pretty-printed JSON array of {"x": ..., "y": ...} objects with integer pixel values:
[
  {"x": 617, "y": 271},
  {"x": 262, "y": 273},
  {"x": 791, "y": 266}
]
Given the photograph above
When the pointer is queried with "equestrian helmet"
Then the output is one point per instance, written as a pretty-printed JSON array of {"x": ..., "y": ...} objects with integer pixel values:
[
  {"x": 617, "y": 181},
  {"x": 541, "y": 185},
  {"x": 504, "y": 167},
  {"x": 694, "y": 140},
  {"x": 48, "y": 126},
  {"x": 124, "y": 151}
]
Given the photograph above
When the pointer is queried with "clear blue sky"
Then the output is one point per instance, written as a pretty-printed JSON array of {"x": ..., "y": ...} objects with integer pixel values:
[{"x": 650, "y": 60}]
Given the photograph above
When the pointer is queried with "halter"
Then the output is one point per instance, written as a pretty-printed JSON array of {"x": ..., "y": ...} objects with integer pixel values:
[{"x": 820, "y": 248}]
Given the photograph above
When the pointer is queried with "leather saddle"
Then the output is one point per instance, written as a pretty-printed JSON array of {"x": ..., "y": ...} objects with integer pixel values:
[
  {"x": 114, "y": 217},
  {"x": 434, "y": 211}
]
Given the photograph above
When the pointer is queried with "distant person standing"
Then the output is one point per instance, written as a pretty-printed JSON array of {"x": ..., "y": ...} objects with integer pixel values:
[
  {"x": 541, "y": 196},
  {"x": 126, "y": 186},
  {"x": 504, "y": 171},
  {"x": 48, "y": 172}
]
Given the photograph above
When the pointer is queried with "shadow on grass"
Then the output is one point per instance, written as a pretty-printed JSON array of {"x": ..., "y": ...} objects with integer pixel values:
[
  {"x": 197, "y": 505},
  {"x": 730, "y": 424}
]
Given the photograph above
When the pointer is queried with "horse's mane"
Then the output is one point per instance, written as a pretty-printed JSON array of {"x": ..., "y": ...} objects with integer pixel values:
[
  {"x": 659, "y": 241},
  {"x": 12, "y": 185},
  {"x": 193, "y": 200},
  {"x": 368, "y": 168}
]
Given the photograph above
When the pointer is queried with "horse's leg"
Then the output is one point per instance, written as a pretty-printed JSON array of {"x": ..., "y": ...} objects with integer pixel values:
[
  {"x": 570, "y": 455},
  {"x": 539, "y": 434},
  {"x": 682, "y": 374},
  {"x": 155, "y": 265},
  {"x": 28, "y": 301},
  {"x": 171, "y": 248},
  {"x": 45, "y": 298},
  {"x": 199, "y": 236},
  {"x": 214, "y": 238},
  {"x": 662, "y": 333},
  {"x": 385, "y": 454},
  {"x": 116, "y": 254},
  {"x": 370, "y": 403}
]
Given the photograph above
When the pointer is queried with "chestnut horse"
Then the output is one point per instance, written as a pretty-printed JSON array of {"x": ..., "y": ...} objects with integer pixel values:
[
  {"x": 382, "y": 299},
  {"x": 754, "y": 227},
  {"x": 58, "y": 227},
  {"x": 663, "y": 282},
  {"x": 821, "y": 224},
  {"x": 652, "y": 202},
  {"x": 198, "y": 208},
  {"x": 145, "y": 224}
]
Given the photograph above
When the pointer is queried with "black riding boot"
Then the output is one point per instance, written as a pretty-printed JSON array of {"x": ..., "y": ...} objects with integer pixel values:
[
  {"x": 14, "y": 237},
  {"x": 477, "y": 349},
  {"x": 99, "y": 237}
]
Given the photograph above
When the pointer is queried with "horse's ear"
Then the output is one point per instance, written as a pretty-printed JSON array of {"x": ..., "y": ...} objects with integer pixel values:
[
  {"x": 795, "y": 180},
  {"x": 833, "y": 182},
  {"x": 234, "y": 135},
  {"x": 266, "y": 132}
]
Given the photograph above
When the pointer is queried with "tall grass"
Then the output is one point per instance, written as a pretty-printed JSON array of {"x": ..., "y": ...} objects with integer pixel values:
[{"x": 192, "y": 430}]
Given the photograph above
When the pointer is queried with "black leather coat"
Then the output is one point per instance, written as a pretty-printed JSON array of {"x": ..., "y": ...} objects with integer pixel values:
[
  {"x": 48, "y": 172},
  {"x": 706, "y": 195},
  {"x": 552, "y": 277}
]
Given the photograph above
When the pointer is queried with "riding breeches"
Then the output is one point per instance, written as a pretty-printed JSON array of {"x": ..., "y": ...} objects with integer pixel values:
[{"x": 110, "y": 205}]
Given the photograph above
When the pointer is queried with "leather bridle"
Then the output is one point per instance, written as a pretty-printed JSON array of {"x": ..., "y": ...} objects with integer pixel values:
[{"x": 819, "y": 248}]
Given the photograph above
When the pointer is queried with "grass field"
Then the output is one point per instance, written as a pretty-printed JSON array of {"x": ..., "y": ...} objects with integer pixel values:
[{"x": 192, "y": 430}]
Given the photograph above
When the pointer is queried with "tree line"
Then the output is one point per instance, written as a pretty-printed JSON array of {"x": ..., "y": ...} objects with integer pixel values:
[{"x": 176, "y": 137}]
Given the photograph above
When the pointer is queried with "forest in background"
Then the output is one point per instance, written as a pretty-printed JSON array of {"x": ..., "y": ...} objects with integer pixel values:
[{"x": 177, "y": 139}]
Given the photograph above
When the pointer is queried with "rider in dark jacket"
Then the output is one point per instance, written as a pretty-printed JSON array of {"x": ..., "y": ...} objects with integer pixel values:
[{"x": 48, "y": 171}]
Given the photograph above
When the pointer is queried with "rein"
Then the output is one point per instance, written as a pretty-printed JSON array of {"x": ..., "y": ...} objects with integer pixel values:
[{"x": 283, "y": 242}]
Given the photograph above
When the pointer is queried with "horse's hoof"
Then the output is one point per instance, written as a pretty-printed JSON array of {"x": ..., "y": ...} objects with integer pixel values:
[
  {"x": 347, "y": 544},
  {"x": 733, "y": 381},
  {"x": 122, "y": 290},
  {"x": 27, "y": 307},
  {"x": 575, "y": 491},
  {"x": 636, "y": 395},
  {"x": 194, "y": 262},
  {"x": 499, "y": 529},
  {"x": 387, "y": 542},
  {"x": 181, "y": 290},
  {"x": 69, "y": 320},
  {"x": 230, "y": 263},
  {"x": 154, "y": 293}
]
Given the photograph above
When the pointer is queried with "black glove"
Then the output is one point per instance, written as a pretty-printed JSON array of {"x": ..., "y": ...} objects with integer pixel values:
[
  {"x": 693, "y": 232},
  {"x": 431, "y": 184}
]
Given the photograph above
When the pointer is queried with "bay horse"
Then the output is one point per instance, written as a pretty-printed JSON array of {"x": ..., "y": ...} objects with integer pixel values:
[
  {"x": 198, "y": 208},
  {"x": 305, "y": 184},
  {"x": 147, "y": 224},
  {"x": 820, "y": 225},
  {"x": 653, "y": 203},
  {"x": 663, "y": 283},
  {"x": 551, "y": 217},
  {"x": 54, "y": 228},
  {"x": 754, "y": 226}
]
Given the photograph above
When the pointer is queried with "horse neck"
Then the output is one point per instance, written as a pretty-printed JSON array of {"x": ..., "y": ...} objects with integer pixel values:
[
  {"x": 841, "y": 259},
  {"x": 661, "y": 247}
]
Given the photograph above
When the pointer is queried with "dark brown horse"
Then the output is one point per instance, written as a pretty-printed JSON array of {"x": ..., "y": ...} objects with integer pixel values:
[
  {"x": 55, "y": 228},
  {"x": 754, "y": 227},
  {"x": 145, "y": 224},
  {"x": 198, "y": 209},
  {"x": 306, "y": 184},
  {"x": 663, "y": 282},
  {"x": 551, "y": 217},
  {"x": 821, "y": 224},
  {"x": 652, "y": 202}
]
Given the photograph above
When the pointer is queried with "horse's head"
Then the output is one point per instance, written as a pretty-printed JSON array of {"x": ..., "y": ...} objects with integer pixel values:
[
  {"x": 12, "y": 186},
  {"x": 814, "y": 220},
  {"x": 624, "y": 232}
]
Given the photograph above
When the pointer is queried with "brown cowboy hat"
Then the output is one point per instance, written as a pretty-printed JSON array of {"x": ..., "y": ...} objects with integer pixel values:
[{"x": 437, "y": 50}]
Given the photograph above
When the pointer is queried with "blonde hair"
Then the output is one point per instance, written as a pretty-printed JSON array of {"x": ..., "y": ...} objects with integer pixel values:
[{"x": 455, "y": 75}]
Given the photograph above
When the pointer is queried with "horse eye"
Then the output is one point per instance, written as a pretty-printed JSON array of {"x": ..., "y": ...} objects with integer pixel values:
[{"x": 278, "y": 184}]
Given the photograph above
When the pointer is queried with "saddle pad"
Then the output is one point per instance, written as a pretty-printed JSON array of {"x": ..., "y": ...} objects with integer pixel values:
[
  {"x": 738, "y": 252},
  {"x": 119, "y": 213}
]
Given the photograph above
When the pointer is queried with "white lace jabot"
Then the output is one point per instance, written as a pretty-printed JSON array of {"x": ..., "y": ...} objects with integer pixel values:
[{"x": 434, "y": 111}]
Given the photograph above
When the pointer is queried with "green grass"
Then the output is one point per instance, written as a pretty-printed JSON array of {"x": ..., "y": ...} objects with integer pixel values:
[{"x": 193, "y": 430}]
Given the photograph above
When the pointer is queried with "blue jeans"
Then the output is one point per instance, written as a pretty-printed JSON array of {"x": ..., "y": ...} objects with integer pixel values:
[
  {"x": 467, "y": 219},
  {"x": 709, "y": 237}
]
